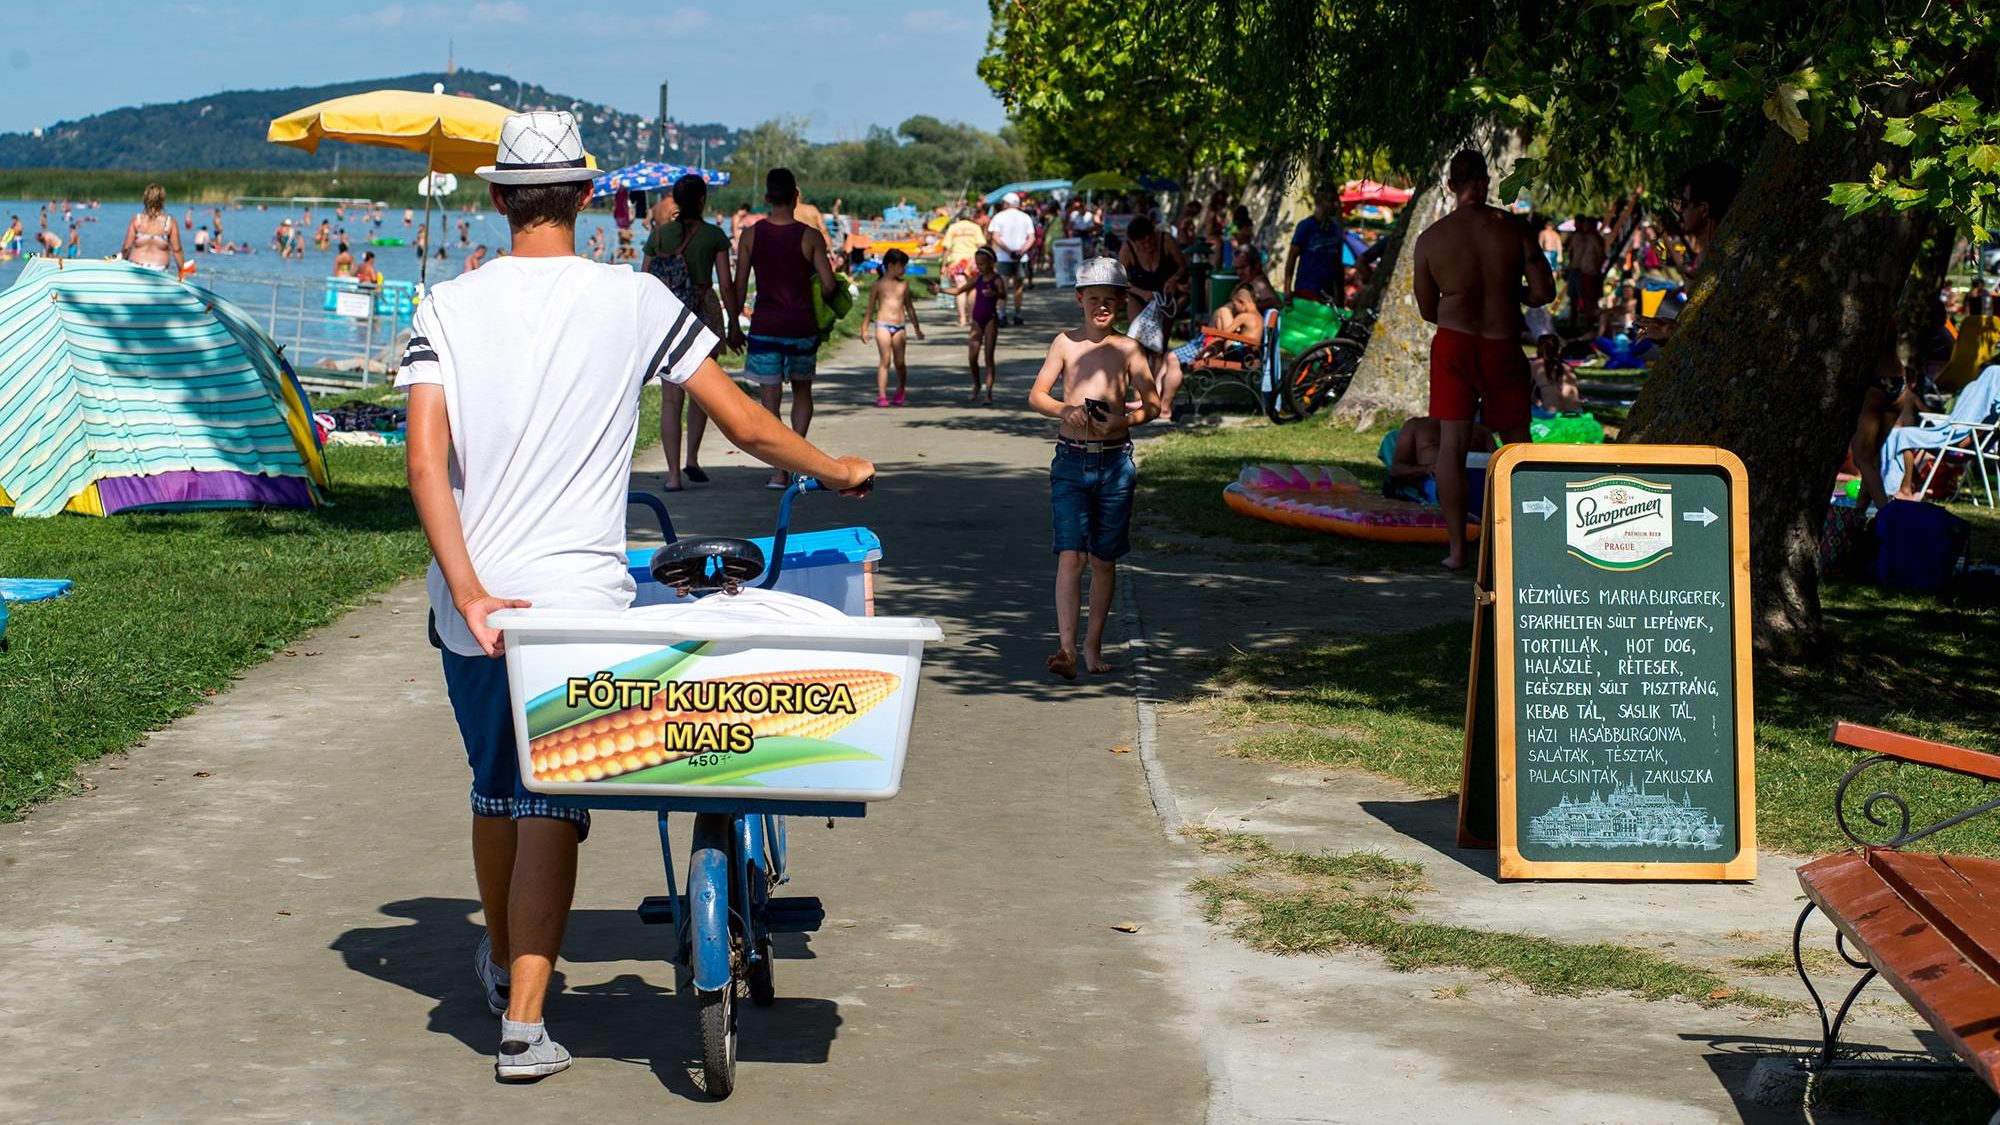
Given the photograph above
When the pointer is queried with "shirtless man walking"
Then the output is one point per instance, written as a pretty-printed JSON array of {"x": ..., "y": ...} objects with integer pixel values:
[{"x": 1469, "y": 269}]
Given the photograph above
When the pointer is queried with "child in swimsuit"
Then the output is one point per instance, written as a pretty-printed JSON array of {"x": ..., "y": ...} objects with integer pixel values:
[
  {"x": 889, "y": 308},
  {"x": 986, "y": 289}
]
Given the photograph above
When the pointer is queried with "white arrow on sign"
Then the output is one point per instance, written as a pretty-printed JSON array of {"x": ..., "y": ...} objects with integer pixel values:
[
  {"x": 1545, "y": 507},
  {"x": 1704, "y": 517}
]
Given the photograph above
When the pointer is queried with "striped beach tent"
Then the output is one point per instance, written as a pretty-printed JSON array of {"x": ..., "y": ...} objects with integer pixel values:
[{"x": 123, "y": 389}]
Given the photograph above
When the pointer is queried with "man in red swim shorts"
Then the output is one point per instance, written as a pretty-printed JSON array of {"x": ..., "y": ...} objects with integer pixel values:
[{"x": 1469, "y": 271}]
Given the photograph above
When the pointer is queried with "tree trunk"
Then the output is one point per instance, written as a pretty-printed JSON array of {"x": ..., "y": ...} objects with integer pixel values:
[
  {"x": 1774, "y": 352},
  {"x": 1394, "y": 376}
]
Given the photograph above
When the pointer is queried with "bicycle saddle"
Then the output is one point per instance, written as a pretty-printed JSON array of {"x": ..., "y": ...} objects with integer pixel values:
[{"x": 712, "y": 562}]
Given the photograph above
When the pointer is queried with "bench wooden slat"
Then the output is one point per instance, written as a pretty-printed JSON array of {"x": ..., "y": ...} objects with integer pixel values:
[
  {"x": 1914, "y": 956},
  {"x": 1909, "y": 748},
  {"x": 1941, "y": 893}
]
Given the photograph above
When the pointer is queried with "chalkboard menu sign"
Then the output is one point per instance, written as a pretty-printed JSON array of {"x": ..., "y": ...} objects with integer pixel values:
[{"x": 1609, "y": 713}]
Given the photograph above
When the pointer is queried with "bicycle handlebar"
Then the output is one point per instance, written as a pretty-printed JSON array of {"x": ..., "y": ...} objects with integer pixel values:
[{"x": 776, "y": 565}]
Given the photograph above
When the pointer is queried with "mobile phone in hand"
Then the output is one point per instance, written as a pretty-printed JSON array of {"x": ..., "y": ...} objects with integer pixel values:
[{"x": 1098, "y": 409}]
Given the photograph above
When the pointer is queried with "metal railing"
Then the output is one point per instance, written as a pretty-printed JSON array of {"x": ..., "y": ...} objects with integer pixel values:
[{"x": 333, "y": 331}]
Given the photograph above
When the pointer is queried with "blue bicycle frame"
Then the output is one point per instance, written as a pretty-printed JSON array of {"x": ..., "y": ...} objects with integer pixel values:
[{"x": 738, "y": 852}]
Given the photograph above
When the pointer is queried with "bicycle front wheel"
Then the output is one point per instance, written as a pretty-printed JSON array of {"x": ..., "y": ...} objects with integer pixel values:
[{"x": 1320, "y": 375}]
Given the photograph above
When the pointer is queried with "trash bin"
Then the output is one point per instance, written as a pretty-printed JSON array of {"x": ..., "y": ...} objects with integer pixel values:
[
  {"x": 1067, "y": 255},
  {"x": 1219, "y": 285}
]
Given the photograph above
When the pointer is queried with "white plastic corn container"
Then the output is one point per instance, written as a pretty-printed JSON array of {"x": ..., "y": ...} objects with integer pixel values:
[{"x": 759, "y": 694}]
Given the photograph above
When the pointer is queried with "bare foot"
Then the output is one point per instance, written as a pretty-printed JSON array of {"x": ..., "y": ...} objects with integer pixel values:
[
  {"x": 1095, "y": 663},
  {"x": 1063, "y": 663},
  {"x": 989, "y": 398},
  {"x": 1454, "y": 562}
]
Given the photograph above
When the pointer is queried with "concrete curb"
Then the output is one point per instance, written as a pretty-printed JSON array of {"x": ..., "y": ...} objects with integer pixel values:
[{"x": 1161, "y": 793}]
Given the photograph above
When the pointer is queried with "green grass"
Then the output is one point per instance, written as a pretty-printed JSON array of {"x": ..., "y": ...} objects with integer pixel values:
[
  {"x": 1184, "y": 472},
  {"x": 1396, "y": 705},
  {"x": 1294, "y": 903},
  {"x": 1778, "y": 962},
  {"x": 169, "y": 608}
]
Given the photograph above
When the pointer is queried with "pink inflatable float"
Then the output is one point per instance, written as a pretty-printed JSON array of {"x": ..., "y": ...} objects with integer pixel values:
[{"x": 1325, "y": 498}]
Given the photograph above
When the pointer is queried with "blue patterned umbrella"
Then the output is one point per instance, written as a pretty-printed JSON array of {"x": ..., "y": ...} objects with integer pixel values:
[{"x": 649, "y": 175}]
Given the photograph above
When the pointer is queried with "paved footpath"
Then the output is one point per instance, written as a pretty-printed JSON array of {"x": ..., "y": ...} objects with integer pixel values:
[{"x": 267, "y": 912}]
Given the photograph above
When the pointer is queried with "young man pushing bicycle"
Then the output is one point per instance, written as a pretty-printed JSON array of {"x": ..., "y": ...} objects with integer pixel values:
[{"x": 524, "y": 382}]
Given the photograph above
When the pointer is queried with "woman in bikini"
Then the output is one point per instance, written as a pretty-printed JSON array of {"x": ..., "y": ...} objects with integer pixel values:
[{"x": 152, "y": 240}]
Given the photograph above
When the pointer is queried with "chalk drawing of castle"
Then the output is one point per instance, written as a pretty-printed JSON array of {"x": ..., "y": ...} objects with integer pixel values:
[{"x": 1631, "y": 818}]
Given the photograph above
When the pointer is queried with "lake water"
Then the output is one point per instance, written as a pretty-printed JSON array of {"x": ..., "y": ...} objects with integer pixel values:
[
  {"x": 259, "y": 279},
  {"x": 102, "y": 230}
]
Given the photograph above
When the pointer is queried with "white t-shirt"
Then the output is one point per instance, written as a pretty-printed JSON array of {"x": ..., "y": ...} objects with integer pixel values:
[
  {"x": 1012, "y": 230},
  {"x": 541, "y": 361}
]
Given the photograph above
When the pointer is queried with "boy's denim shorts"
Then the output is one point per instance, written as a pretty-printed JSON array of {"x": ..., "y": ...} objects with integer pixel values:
[
  {"x": 1091, "y": 498},
  {"x": 477, "y": 686},
  {"x": 770, "y": 360}
]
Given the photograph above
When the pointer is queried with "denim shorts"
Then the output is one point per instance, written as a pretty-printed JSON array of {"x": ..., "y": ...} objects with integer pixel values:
[
  {"x": 1090, "y": 495},
  {"x": 477, "y": 686},
  {"x": 770, "y": 360}
]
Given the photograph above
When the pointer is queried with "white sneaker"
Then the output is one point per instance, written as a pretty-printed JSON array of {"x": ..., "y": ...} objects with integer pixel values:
[
  {"x": 492, "y": 977},
  {"x": 527, "y": 1053}
]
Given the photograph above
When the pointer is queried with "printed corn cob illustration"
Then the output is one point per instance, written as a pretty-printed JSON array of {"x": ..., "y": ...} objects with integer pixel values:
[
  {"x": 551, "y": 711},
  {"x": 760, "y": 706}
]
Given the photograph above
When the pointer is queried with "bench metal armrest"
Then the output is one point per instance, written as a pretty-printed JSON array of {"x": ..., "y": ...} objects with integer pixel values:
[
  {"x": 1212, "y": 334},
  {"x": 1884, "y": 809}
]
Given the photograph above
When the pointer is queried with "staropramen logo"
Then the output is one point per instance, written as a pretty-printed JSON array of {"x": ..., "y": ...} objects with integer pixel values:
[{"x": 1620, "y": 523}]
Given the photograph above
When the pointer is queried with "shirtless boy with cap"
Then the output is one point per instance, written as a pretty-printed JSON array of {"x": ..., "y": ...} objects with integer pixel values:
[
  {"x": 1107, "y": 388},
  {"x": 1469, "y": 271}
]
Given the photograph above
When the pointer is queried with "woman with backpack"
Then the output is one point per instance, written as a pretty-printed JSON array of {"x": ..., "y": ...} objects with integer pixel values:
[{"x": 691, "y": 257}]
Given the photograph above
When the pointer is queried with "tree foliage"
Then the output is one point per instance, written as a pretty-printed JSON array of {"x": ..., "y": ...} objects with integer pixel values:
[
  {"x": 1609, "y": 93},
  {"x": 944, "y": 157},
  {"x": 1671, "y": 82},
  {"x": 1156, "y": 86}
]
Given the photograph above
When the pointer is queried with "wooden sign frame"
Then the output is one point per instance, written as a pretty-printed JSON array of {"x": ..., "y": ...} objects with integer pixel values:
[{"x": 1497, "y": 564}]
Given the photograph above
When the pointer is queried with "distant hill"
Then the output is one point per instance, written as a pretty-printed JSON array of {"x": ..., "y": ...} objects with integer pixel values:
[{"x": 226, "y": 130}]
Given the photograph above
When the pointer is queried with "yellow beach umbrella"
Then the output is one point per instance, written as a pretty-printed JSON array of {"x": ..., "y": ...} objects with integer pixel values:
[{"x": 459, "y": 134}]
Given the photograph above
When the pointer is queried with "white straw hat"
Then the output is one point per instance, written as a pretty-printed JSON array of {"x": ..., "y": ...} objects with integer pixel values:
[{"x": 539, "y": 148}]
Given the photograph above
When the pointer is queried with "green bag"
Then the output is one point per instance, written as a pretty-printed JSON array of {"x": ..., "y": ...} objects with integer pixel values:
[
  {"x": 827, "y": 311},
  {"x": 1568, "y": 429},
  {"x": 1301, "y": 324}
]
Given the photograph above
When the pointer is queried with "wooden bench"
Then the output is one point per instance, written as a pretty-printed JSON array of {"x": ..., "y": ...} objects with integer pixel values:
[
  {"x": 1928, "y": 924},
  {"x": 1247, "y": 366}
]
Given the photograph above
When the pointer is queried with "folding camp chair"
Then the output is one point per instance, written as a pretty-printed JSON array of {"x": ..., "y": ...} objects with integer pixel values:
[
  {"x": 1967, "y": 433},
  {"x": 1977, "y": 442}
]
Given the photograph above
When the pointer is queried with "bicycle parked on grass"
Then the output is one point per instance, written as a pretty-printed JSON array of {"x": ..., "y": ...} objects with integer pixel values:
[{"x": 1318, "y": 348}]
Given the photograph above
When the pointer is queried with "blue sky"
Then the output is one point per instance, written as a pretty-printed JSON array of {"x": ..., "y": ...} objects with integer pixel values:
[{"x": 843, "y": 64}]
